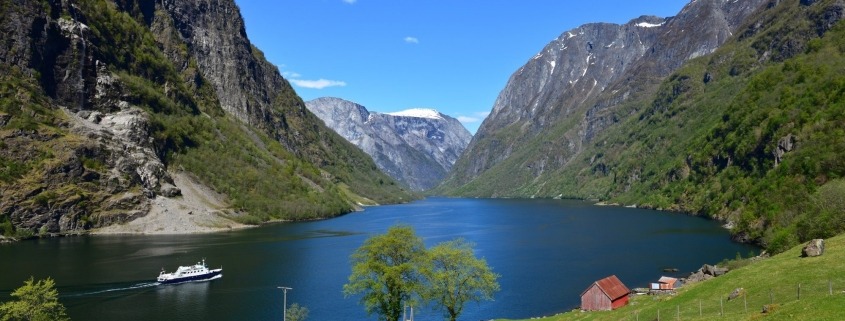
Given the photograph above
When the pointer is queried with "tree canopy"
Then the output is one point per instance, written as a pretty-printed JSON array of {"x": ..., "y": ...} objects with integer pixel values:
[
  {"x": 455, "y": 276},
  {"x": 386, "y": 270},
  {"x": 34, "y": 301},
  {"x": 296, "y": 312},
  {"x": 395, "y": 269}
]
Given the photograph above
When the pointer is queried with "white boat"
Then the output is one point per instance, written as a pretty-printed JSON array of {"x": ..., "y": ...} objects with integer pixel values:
[{"x": 196, "y": 272}]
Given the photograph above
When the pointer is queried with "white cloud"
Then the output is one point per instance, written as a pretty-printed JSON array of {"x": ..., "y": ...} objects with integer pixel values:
[
  {"x": 350, "y": 1},
  {"x": 467, "y": 119},
  {"x": 317, "y": 84},
  {"x": 291, "y": 74},
  {"x": 476, "y": 117},
  {"x": 411, "y": 40}
]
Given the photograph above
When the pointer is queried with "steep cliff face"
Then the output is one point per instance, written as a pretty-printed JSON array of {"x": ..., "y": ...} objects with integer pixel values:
[
  {"x": 574, "y": 89},
  {"x": 748, "y": 133},
  {"x": 250, "y": 88},
  {"x": 103, "y": 100},
  {"x": 77, "y": 154},
  {"x": 416, "y": 147}
]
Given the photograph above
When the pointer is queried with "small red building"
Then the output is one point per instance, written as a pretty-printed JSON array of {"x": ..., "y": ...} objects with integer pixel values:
[
  {"x": 665, "y": 283},
  {"x": 605, "y": 294}
]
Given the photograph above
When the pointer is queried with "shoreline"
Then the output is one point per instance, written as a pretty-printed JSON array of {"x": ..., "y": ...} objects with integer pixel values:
[{"x": 199, "y": 209}]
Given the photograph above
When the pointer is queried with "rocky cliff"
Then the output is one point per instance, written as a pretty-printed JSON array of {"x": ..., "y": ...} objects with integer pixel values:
[
  {"x": 416, "y": 147},
  {"x": 574, "y": 88},
  {"x": 745, "y": 133},
  {"x": 103, "y": 101}
]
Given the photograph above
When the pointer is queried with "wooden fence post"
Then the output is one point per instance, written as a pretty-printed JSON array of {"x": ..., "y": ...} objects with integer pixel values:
[
  {"x": 829, "y": 287},
  {"x": 799, "y": 291},
  {"x": 721, "y": 306},
  {"x": 658, "y": 314},
  {"x": 699, "y": 307},
  {"x": 679, "y": 313},
  {"x": 745, "y": 299}
]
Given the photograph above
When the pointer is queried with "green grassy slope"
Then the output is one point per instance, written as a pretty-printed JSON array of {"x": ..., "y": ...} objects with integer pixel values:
[{"x": 773, "y": 282}]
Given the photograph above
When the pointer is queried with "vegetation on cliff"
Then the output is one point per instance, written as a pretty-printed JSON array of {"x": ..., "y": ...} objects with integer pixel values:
[
  {"x": 119, "y": 56},
  {"x": 750, "y": 134}
]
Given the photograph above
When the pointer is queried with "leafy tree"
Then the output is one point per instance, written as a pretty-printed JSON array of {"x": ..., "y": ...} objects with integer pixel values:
[
  {"x": 296, "y": 312},
  {"x": 386, "y": 270},
  {"x": 35, "y": 301},
  {"x": 455, "y": 276}
]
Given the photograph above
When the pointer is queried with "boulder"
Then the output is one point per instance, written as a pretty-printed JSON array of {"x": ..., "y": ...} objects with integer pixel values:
[
  {"x": 769, "y": 308},
  {"x": 813, "y": 248},
  {"x": 697, "y": 277},
  {"x": 736, "y": 293},
  {"x": 713, "y": 270},
  {"x": 169, "y": 191}
]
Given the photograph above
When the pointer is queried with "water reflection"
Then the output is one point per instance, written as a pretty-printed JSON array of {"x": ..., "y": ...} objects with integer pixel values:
[{"x": 191, "y": 294}]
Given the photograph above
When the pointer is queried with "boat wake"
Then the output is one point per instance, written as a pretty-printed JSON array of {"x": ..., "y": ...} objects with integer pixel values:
[{"x": 126, "y": 288}]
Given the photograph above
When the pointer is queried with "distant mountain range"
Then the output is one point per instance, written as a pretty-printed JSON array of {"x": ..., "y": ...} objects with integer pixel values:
[{"x": 417, "y": 146}]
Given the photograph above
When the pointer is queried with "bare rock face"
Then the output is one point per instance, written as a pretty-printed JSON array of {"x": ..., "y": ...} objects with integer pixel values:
[
  {"x": 417, "y": 149},
  {"x": 125, "y": 135},
  {"x": 813, "y": 248},
  {"x": 583, "y": 77},
  {"x": 785, "y": 144},
  {"x": 95, "y": 164}
]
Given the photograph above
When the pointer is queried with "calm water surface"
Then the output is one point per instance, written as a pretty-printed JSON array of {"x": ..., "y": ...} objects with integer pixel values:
[{"x": 547, "y": 252}]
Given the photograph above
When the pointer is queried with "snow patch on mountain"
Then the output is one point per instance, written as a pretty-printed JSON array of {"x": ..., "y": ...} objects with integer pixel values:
[{"x": 418, "y": 113}]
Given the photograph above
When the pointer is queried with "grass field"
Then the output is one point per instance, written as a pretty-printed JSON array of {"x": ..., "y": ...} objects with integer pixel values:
[{"x": 793, "y": 287}]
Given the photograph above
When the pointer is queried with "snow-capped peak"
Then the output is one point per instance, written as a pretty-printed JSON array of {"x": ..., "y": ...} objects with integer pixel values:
[
  {"x": 649, "y": 25},
  {"x": 418, "y": 113}
]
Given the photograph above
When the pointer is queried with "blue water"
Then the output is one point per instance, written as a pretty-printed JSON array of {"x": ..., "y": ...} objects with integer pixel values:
[{"x": 546, "y": 251}]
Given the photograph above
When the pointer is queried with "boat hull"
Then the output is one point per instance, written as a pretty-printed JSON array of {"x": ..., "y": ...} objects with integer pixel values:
[{"x": 192, "y": 278}]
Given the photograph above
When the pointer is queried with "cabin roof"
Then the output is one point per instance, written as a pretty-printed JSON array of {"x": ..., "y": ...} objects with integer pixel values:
[
  {"x": 611, "y": 286},
  {"x": 667, "y": 280}
]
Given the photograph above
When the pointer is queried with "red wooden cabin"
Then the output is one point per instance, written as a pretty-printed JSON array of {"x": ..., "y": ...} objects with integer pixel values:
[{"x": 605, "y": 294}]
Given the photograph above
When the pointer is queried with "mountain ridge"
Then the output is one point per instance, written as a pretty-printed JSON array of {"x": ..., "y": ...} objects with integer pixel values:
[
  {"x": 743, "y": 135},
  {"x": 533, "y": 100},
  {"x": 415, "y": 146},
  {"x": 162, "y": 87}
]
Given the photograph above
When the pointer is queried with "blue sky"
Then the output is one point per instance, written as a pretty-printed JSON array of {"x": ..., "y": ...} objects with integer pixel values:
[{"x": 390, "y": 55}]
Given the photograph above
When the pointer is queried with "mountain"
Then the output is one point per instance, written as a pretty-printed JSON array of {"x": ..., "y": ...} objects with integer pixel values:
[
  {"x": 568, "y": 93},
  {"x": 741, "y": 131},
  {"x": 417, "y": 147},
  {"x": 110, "y": 107}
]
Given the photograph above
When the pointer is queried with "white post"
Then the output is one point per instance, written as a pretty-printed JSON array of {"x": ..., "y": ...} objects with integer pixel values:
[{"x": 285, "y": 302}]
